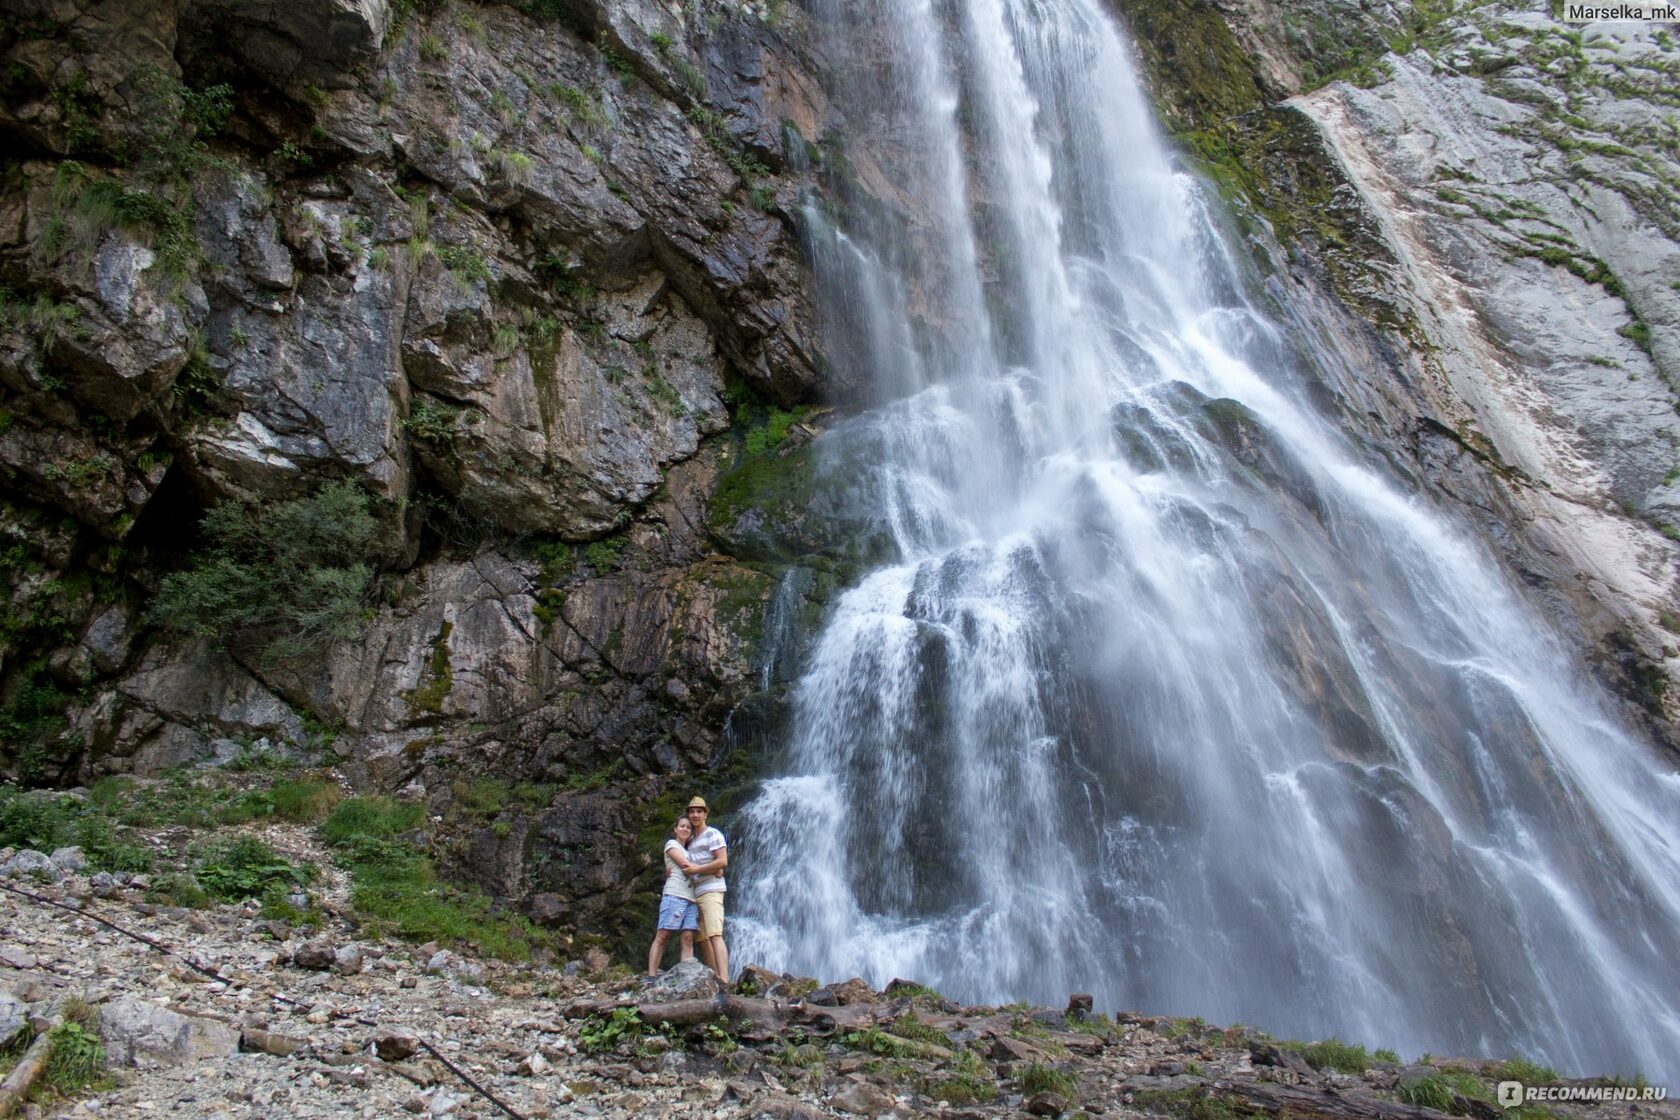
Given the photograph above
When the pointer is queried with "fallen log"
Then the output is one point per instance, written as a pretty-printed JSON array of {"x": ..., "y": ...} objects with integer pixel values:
[
  {"x": 26, "y": 1072},
  {"x": 1331, "y": 1103}
]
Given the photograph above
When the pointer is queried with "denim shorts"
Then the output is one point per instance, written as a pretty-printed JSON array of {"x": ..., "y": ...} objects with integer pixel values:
[{"x": 677, "y": 913}]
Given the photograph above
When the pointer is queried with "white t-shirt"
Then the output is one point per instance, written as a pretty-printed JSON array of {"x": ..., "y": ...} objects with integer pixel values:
[
  {"x": 703, "y": 849},
  {"x": 676, "y": 879}
]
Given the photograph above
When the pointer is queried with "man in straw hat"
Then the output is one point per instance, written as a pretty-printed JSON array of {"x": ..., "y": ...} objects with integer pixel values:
[{"x": 708, "y": 849}]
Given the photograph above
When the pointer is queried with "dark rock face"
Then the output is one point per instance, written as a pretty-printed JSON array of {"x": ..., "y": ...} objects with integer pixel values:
[{"x": 527, "y": 281}]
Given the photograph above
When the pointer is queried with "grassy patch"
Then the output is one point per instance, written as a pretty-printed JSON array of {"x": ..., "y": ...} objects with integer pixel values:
[
  {"x": 908, "y": 1026},
  {"x": 44, "y": 822},
  {"x": 965, "y": 1081},
  {"x": 877, "y": 1041},
  {"x": 1521, "y": 1069},
  {"x": 396, "y": 889},
  {"x": 1039, "y": 1078},
  {"x": 1447, "y": 1090},
  {"x": 1332, "y": 1053}
]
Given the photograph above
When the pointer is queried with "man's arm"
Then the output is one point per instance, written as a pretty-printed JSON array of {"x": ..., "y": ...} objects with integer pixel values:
[{"x": 714, "y": 869}]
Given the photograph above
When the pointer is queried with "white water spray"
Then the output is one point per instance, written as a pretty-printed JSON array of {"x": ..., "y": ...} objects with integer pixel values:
[{"x": 1168, "y": 697}]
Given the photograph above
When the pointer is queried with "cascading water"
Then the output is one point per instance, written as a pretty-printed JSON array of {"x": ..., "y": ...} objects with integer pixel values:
[{"x": 1166, "y": 696}]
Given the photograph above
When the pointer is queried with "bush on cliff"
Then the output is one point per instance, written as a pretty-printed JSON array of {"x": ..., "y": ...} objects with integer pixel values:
[{"x": 284, "y": 579}]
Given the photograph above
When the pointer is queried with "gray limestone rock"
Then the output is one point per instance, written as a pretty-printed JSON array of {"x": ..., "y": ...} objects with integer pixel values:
[
  {"x": 684, "y": 980},
  {"x": 137, "y": 1033},
  {"x": 14, "y": 1016},
  {"x": 30, "y": 864}
]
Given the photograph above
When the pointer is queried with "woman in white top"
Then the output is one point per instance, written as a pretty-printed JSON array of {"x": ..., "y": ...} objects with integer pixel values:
[{"x": 677, "y": 909}]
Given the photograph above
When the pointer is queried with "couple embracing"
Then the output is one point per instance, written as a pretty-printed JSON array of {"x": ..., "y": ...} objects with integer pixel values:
[{"x": 692, "y": 901}]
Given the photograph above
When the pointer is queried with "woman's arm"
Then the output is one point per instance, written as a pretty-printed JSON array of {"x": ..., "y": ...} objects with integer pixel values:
[{"x": 678, "y": 855}]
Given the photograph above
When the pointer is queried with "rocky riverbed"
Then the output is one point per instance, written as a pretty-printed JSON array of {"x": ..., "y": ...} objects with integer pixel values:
[{"x": 331, "y": 1020}]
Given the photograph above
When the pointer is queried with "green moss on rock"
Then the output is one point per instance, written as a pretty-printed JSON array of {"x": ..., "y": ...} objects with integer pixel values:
[{"x": 1198, "y": 71}]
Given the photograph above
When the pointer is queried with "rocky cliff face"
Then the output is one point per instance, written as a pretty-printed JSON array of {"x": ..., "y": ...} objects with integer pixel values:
[
  {"x": 1467, "y": 213},
  {"x": 527, "y": 275}
]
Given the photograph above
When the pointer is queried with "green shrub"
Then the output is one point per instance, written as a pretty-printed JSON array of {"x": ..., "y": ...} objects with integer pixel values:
[
  {"x": 180, "y": 889},
  {"x": 602, "y": 556},
  {"x": 600, "y": 1033},
  {"x": 467, "y": 263},
  {"x": 76, "y": 1061},
  {"x": 287, "y": 577},
  {"x": 245, "y": 867},
  {"x": 432, "y": 422},
  {"x": 46, "y": 822}
]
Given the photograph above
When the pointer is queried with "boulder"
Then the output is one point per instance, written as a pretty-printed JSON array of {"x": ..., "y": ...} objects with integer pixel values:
[
  {"x": 33, "y": 865},
  {"x": 685, "y": 980},
  {"x": 855, "y": 990},
  {"x": 317, "y": 43},
  {"x": 396, "y": 1046},
  {"x": 446, "y": 963},
  {"x": 347, "y": 960},
  {"x": 319, "y": 954},
  {"x": 69, "y": 859},
  {"x": 14, "y": 1016},
  {"x": 141, "y": 1034},
  {"x": 863, "y": 1098}
]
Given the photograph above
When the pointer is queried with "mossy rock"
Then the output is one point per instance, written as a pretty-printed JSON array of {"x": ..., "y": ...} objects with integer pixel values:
[
  {"x": 1199, "y": 73},
  {"x": 787, "y": 505},
  {"x": 1274, "y": 163}
]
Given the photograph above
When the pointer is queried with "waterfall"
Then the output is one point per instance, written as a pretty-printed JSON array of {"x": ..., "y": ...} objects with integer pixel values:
[{"x": 1167, "y": 694}]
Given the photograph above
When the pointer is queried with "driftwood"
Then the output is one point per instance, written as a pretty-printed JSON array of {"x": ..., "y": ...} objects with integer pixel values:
[{"x": 25, "y": 1073}]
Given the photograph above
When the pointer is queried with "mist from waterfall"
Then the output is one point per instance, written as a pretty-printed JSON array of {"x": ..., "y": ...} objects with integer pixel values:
[{"x": 1167, "y": 696}]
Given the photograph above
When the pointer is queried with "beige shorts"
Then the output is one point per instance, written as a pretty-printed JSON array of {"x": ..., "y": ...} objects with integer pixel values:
[{"x": 711, "y": 914}]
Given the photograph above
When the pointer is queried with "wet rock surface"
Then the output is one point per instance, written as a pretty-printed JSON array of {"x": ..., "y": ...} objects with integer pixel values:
[{"x": 1467, "y": 207}]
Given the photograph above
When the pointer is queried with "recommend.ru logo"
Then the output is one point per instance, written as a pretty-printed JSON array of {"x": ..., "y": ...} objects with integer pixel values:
[{"x": 1512, "y": 1093}]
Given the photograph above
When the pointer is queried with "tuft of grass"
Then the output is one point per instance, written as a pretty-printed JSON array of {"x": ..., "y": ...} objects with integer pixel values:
[
  {"x": 1447, "y": 1090},
  {"x": 1334, "y": 1054},
  {"x": 877, "y": 1041},
  {"x": 1038, "y": 1078},
  {"x": 304, "y": 802},
  {"x": 1521, "y": 1069},
  {"x": 908, "y": 1026},
  {"x": 378, "y": 818}
]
